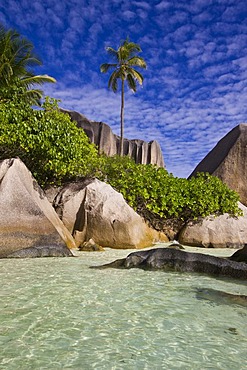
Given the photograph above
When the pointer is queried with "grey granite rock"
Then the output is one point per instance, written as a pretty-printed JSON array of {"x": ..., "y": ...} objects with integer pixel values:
[
  {"x": 169, "y": 259},
  {"x": 107, "y": 142},
  {"x": 227, "y": 160}
]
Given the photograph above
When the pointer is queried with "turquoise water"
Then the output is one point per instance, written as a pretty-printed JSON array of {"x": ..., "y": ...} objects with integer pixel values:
[{"x": 57, "y": 313}]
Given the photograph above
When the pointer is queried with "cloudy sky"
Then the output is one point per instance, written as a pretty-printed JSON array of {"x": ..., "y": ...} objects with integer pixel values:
[{"x": 195, "y": 86}]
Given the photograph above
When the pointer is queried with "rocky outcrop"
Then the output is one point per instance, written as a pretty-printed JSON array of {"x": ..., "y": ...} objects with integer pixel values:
[
  {"x": 170, "y": 259},
  {"x": 101, "y": 135},
  {"x": 216, "y": 232},
  {"x": 29, "y": 226},
  {"x": 228, "y": 161},
  {"x": 94, "y": 210}
]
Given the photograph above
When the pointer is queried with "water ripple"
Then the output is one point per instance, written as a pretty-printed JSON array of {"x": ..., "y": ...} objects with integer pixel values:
[{"x": 59, "y": 314}]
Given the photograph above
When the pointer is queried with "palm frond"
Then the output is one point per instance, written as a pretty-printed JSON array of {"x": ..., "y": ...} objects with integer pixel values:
[
  {"x": 136, "y": 75},
  {"x": 36, "y": 80},
  {"x": 128, "y": 49},
  {"x": 137, "y": 61},
  {"x": 112, "y": 52},
  {"x": 113, "y": 81},
  {"x": 106, "y": 66},
  {"x": 6, "y": 72},
  {"x": 33, "y": 96},
  {"x": 131, "y": 82}
]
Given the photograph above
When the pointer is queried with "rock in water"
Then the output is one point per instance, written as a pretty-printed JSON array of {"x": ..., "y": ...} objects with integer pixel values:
[
  {"x": 169, "y": 259},
  {"x": 223, "y": 231},
  {"x": 221, "y": 297},
  {"x": 240, "y": 255}
]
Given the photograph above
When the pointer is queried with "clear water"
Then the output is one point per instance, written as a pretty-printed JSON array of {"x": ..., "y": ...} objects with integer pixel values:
[{"x": 56, "y": 313}]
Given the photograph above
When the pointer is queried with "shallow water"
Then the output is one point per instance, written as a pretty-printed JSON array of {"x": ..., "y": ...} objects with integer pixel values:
[{"x": 57, "y": 313}]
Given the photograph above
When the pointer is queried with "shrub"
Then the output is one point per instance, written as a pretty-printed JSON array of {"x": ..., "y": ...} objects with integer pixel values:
[
  {"x": 149, "y": 189},
  {"x": 46, "y": 140}
]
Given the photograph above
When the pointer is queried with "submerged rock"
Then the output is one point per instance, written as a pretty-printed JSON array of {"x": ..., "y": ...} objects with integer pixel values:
[
  {"x": 170, "y": 259},
  {"x": 221, "y": 297}
]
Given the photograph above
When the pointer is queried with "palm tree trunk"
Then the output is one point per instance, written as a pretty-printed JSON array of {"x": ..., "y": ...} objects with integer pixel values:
[{"x": 122, "y": 120}]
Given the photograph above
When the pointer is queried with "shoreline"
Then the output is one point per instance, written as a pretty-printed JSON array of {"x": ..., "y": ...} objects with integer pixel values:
[{"x": 120, "y": 253}]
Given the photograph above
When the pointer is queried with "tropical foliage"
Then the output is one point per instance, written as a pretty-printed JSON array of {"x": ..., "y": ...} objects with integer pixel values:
[
  {"x": 124, "y": 61},
  {"x": 51, "y": 146},
  {"x": 17, "y": 60},
  {"x": 151, "y": 190}
]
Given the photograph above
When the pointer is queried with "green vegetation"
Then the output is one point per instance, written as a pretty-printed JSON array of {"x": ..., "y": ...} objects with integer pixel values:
[
  {"x": 46, "y": 140},
  {"x": 124, "y": 60},
  {"x": 17, "y": 61},
  {"x": 153, "y": 191}
]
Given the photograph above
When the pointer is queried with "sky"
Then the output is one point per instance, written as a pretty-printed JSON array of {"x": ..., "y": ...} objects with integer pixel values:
[{"x": 195, "y": 85}]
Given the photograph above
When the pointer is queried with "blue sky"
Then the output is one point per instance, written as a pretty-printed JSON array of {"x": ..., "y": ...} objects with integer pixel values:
[{"x": 195, "y": 86}]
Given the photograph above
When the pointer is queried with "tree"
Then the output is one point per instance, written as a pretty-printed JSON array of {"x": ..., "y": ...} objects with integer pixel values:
[
  {"x": 125, "y": 59},
  {"x": 17, "y": 60}
]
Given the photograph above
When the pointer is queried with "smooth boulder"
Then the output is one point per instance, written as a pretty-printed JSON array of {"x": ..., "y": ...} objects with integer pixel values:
[
  {"x": 216, "y": 232},
  {"x": 170, "y": 259},
  {"x": 94, "y": 210},
  {"x": 29, "y": 226}
]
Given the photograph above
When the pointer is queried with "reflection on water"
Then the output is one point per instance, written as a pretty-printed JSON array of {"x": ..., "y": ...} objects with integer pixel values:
[{"x": 60, "y": 314}]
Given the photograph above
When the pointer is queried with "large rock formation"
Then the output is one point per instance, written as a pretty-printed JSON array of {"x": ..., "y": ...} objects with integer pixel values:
[
  {"x": 169, "y": 259},
  {"x": 101, "y": 134},
  {"x": 94, "y": 210},
  {"x": 29, "y": 226},
  {"x": 217, "y": 232},
  {"x": 228, "y": 161}
]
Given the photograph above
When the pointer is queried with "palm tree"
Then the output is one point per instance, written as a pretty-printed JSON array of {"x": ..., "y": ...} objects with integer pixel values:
[
  {"x": 125, "y": 59},
  {"x": 16, "y": 62}
]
